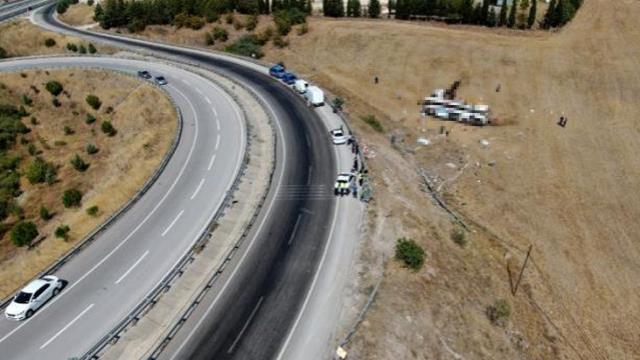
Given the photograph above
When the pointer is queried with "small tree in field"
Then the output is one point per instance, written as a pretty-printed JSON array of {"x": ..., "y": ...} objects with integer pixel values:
[
  {"x": 62, "y": 232},
  {"x": 71, "y": 198},
  {"x": 108, "y": 128},
  {"x": 410, "y": 253},
  {"x": 54, "y": 87},
  {"x": 93, "y": 101},
  {"x": 373, "y": 10},
  {"x": 23, "y": 233}
]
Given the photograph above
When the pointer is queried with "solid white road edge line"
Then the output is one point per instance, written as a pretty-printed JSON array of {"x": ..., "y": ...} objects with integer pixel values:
[
  {"x": 251, "y": 243},
  {"x": 295, "y": 229},
  {"x": 172, "y": 223},
  {"x": 132, "y": 267},
  {"x": 184, "y": 166},
  {"x": 66, "y": 326},
  {"x": 197, "y": 189},
  {"x": 316, "y": 275},
  {"x": 246, "y": 324}
]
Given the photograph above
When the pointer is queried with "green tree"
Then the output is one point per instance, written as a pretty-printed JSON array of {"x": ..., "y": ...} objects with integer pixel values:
[
  {"x": 492, "y": 21},
  {"x": 79, "y": 164},
  {"x": 23, "y": 233},
  {"x": 466, "y": 11},
  {"x": 71, "y": 198},
  {"x": 54, "y": 87},
  {"x": 502, "y": 19},
  {"x": 548, "y": 16},
  {"x": 108, "y": 128},
  {"x": 92, "y": 49},
  {"x": 373, "y": 10},
  {"x": 409, "y": 252},
  {"x": 45, "y": 214},
  {"x": 485, "y": 12},
  {"x": 511, "y": 22},
  {"x": 522, "y": 14},
  {"x": 93, "y": 101},
  {"x": 531, "y": 19},
  {"x": 62, "y": 232},
  {"x": 39, "y": 171}
]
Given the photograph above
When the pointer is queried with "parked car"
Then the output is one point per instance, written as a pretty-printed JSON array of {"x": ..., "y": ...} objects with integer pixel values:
[
  {"x": 32, "y": 297},
  {"x": 160, "y": 80},
  {"x": 277, "y": 71},
  {"x": 343, "y": 182},
  {"x": 289, "y": 78},
  {"x": 301, "y": 86},
  {"x": 144, "y": 74},
  {"x": 315, "y": 96},
  {"x": 338, "y": 137}
]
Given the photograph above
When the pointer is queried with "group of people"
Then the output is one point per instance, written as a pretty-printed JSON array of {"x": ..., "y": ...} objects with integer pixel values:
[{"x": 358, "y": 170}]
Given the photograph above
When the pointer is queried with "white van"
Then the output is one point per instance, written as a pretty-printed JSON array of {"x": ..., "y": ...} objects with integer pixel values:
[
  {"x": 314, "y": 95},
  {"x": 301, "y": 86}
]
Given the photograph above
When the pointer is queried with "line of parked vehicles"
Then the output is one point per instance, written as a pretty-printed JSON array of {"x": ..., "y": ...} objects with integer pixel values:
[{"x": 313, "y": 94}]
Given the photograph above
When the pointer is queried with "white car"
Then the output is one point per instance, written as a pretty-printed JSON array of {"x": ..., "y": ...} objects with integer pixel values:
[
  {"x": 338, "y": 137},
  {"x": 32, "y": 297},
  {"x": 161, "y": 80},
  {"x": 343, "y": 183}
]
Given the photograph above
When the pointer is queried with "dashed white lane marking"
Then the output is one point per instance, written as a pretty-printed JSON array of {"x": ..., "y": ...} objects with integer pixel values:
[
  {"x": 197, "y": 189},
  {"x": 172, "y": 223},
  {"x": 132, "y": 267},
  {"x": 217, "y": 141},
  {"x": 198, "y": 90},
  {"x": 214, "y": 111},
  {"x": 67, "y": 326},
  {"x": 244, "y": 328},
  {"x": 207, "y": 99},
  {"x": 295, "y": 229},
  {"x": 217, "y": 124},
  {"x": 213, "y": 158}
]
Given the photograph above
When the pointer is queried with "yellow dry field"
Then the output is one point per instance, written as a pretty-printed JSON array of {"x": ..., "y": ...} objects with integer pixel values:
[
  {"x": 22, "y": 38},
  {"x": 79, "y": 14},
  {"x": 570, "y": 192},
  {"x": 145, "y": 121}
]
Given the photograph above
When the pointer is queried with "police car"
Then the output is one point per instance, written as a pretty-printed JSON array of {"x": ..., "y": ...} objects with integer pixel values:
[
  {"x": 338, "y": 137},
  {"x": 343, "y": 182}
]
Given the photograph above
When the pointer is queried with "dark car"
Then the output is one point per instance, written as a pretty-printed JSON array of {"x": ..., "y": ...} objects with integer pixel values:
[
  {"x": 289, "y": 78},
  {"x": 277, "y": 71},
  {"x": 160, "y": 80},
  {"x": 144, "y": 74}
]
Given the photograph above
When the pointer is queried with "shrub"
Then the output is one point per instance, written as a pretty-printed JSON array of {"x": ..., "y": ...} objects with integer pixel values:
[
  {"x": 3, "y": 53},
  {"x": 45, "y": 214},
  {"x": 68, "y": 130},
  {"x": 285, "y": 19},
  {"x": 90, "y": 119},
  {"x": 337, "y": 103},
  {"x": 410, "y": 253},
  {"x": 92, "y": 149},
  {"x": 27, "y": 100},
  {"x": 220, "y": 34},
  {"x": 23, "y": 233},
  {"x": 303, "y": 29},
  {"x": 54, "y": 87},
  {"x": 252, "y": 22},
  {"x": 32, "y": 149},
  {"x": 92, "y": 49},
  {"x": 62, "y": 232},
  {"x": 93, "y": 211},
  {"x": 108, "y": 128},
  {"x": 72, "y": 47},
  {"x": 247, "y": 45},
  {"x": 79, "y": 164},
  {"x": 82, "y": 49},
  {"x": 62, "y": 6},
  {"x": 49, "y": 42},
  {"x": 59, "y": 143},
  {"x": 90, "y": 2},
  {"x": 373, "y": 122},
  {"x": 280, "y": 42},
  {"x": 71, "y": 198},
  {"x": 458, "y": 237},
  {"x": 93, "y": 101},
  {"x": 265, "y": 36},
  {"x": 229, "y": 18},
  {"x": 34, "y": 120},
  {"x": 39, "y": 171},
  {"x": 208, "y": 39},
  {"x": 56, "y": 102},
  {"x": 499, "y": 312}
]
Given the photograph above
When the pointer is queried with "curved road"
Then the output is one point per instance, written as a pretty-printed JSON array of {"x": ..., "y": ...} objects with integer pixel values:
[{"x": 112, "y": 275}]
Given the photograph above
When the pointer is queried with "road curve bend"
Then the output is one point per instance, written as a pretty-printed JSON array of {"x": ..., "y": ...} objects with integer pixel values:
[{"x": 111, "y": 276}]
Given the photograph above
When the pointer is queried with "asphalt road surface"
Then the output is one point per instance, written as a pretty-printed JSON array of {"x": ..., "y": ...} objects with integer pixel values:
[
  {"x": 15, "y": 8},
  {"x": 112, "y": 275}
]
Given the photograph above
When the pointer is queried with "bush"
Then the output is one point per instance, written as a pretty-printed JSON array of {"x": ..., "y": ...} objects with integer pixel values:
[
  {"x": 3, "y": 53},
  {"x": 49, "y": 42},
  {"x": 229, "y": 19},
  {"x": 90, "y": 119},
  {"x": 68, "y": 130},
  {"x": 54, "y": 87},
  {"x": 55, "y": 102},
  {"x": 108, "y": 128},
  {"x": 220, "y": 34},
  {"x": 303, "y": 29},
  {"x": 93, "y": 101},
  {"x": 410, "y": 253},
  {"x": 27, "y": 100},
  {"x": 337, "y": 103},
  {"x": 45, "y": 214},
  {"x": 79, "y": 164},
  {"x": 458, "y": 237},
  {"x": 39, "y": 171},
  {"x": 93, "y": 211},
  {"x": 62, "y": 232},
  {"x": 72, "y": 47},
  {"x": 499, "y": 312},
  {"x": 373, "y": 122},
  {"x": 90, "y": 2},
  {"x": 285, "y": 19},
  {"x": 71, "y": 198},
  {"x": 92, "y": 149},
  {"x": 32, "y": 149},
  {"x": 23, "y": 233},
  {"x": 208, "y": 39},
  {"x": 62, "y": 6},
  {"x": 247, "y": 45},
  {"x": 92, "y": 49},
  {"x": 280, "y": 42},
  {"x": 252, "y": 22},
  {"x": 82, "y": 49}
]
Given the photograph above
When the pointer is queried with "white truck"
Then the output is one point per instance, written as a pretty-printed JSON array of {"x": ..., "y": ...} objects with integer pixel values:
[
  {"x": 301, "y": 86},
  {"x": 314, "y": 95}
]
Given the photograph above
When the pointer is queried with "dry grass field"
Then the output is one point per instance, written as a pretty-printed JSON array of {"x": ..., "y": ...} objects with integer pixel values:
[
  {"x": 79, "y": 14},
  {"x": 145, "y": 121},
  {"x": 571, "y": 193}
]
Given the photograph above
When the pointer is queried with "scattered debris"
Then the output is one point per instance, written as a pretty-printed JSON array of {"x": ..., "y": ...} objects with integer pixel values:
[
  {"x": 424, "y": 142},
  {"x": 492, "y": 163},
  {"x": 451, "y": 165},
  {"x": 484, "y": 143}
]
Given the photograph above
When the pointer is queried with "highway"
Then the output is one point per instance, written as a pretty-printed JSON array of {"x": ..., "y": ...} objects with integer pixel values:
[
  {"x": 255, "y": 303},
  {"x": 15, "y": 8},
  {"x": 111, "y": 276}
]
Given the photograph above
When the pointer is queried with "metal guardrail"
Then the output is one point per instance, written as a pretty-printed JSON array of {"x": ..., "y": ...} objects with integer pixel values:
[
  {"x": 115, "y": 216},
  {"x": 152, "y": 298}
]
